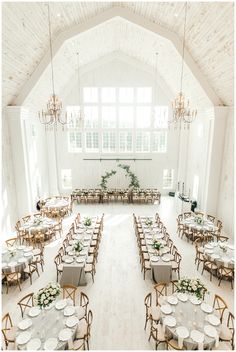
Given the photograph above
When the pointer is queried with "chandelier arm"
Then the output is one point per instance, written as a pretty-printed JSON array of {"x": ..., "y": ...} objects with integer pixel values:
[
  {"x": 50, "y": 44},
  {"x": 183, "y": 50}
]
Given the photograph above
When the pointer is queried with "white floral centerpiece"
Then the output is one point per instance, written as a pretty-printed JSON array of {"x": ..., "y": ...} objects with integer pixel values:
[
  {"x": 47, "y": 295},
  {"x": 192, "y": 286},
  {"x": 148, "y": 222},
  {"x": 199, "y": 219},
  {"x": 87, "y": 222}
]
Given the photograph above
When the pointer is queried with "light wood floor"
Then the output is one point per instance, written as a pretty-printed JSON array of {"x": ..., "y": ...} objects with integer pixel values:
[{"x": 116, "y": 297}]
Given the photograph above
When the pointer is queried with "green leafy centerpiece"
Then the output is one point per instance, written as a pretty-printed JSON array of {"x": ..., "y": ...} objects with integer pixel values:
[
  {"x": 37, "y": 221},
  {"x": 199, "y": 219},
  {"x": 157, "y": 245},
  {"x": 78, "y": 247},
  {"x": 47, "y": 295},
  {"x": 87, "y": 222},
  {"x": 148, "y": 222},
  {"x": 223, "y": 246},
  {"x": 192, "y": 286}
]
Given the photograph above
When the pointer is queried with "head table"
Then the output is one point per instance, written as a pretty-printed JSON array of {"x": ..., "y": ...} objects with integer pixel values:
[
  {"x": 51, "y": 328},
  {"x": 193, "y": 323}
]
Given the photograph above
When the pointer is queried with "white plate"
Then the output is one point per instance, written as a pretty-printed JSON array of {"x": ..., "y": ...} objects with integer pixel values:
[
  {"x": 80, "y": 260},
  {"x": 24, "y": 324},
  {"x": 69, "y": 248},
  {"x": 165, "y": 258},
  {"x": 68, "y": 311},
  {"x": 4, "y": 251},
  {"x": 28, "y": 249},
  {"x": 34, "y": 344},
  {"x": 28, "y": 254},
  {"x": 197, "y": 336},
  {"x": 72, "y": 321},
  {"x": 213, "y": 320},
  {"x": 154, "y": 259},
  {"x": 209, "y": 251},
  {"x": 166, "y": 309},
  {"x": 69, "y": 260},
  {"x": 170, "y": 321},
  {"x": 50, "y": 344},
  {"x": 215, "y": 256},
  {"x": 23, "y": 337},
  {"x": 61, "y": 304},
  {"x": 208, "y": 245},
  {"x": 182, "y": 332},
  {"x": 82, "y": 252},
  {"x": 12, "y": 264},
  {"x": 172, "y": 299},
  {"x": 230, "y": 246},
  {"x": 210, "y": 331},
  {"x": 65, "y": 335},
  {"x": 195, "y": 300},
  {"x": 21, "y": 247},
  {"x": 34, "y": 312},
  {"x": 4, "y": 265},
  {"x": 22, "y": 260},
  {"x": 182, "y": 297},
  {"x": 206, "y": 308}
]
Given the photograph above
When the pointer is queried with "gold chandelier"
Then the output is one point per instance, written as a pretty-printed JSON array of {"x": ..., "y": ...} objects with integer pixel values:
[
  {"x": 182, "y": 114},
  {"x": 52, "y": 116}
]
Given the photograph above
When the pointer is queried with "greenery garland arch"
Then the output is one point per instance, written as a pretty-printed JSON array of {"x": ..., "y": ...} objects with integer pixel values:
[{"x": 134, "y": 182}]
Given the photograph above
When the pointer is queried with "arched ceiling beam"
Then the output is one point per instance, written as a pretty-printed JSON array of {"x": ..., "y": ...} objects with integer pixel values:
[{"x": 99, "y": 20}]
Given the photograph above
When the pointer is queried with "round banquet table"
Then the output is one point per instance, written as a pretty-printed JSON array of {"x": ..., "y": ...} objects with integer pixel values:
[
  {"x": 56, "y": 203},
  {"x": 41, "y": 224},
  {"x": 47, "y": 324},
  {"x": 191, "y": 316},
  {"x": 16, "y": 258},
  {"x": 214, "y": 252},
  {"x": 207, "y": 226}
]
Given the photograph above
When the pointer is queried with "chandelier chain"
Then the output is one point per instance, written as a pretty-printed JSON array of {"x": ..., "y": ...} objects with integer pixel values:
[
  {"x": 50, "y": 44},
  {"x": 183, "y": 50}
]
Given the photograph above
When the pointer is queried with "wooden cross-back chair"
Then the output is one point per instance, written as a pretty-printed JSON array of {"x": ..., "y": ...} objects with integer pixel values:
[{"x": 26, "y": 302}]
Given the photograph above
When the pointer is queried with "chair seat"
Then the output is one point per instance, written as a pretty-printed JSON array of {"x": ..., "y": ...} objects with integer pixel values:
[
  {"x": 160, "y": 333},
  {"x": 144, "y": 249},
  {"x": 174, "y": 344},
  {"x": 225, "y": 333},
  {"x": 11, "y": 334},
  {"x": 60, "y": 267},
  {"x": 93, "y": 243},
  {"x": 175, "y": 265},
  {"x": 81, "y": 329},
  {"x": 77, "y": 345},
  {"x": 13, "y": 276},
  {"x": 155, "y": 312},
  {"x": 146, "y": 255},
  {"x": 36, "y": 251},
  {"x": 147, "y": 265},
  {"x": 210, "y": 266},
  {"x": 223, "y": 346},
  {"x": 88, "y": 267}
]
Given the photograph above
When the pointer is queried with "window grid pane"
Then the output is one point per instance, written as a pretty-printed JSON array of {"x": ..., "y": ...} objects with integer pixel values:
[
  {"x": 168, "y": 178},
  {"x": 159, "y": 143},
  {"x": 91, "y": 142},
  {"x": 125, "y": 142},
  {"x": 75, "y": 141},
  {"x": 109, "y": 142},
  {"x": 143, "y": 142}
]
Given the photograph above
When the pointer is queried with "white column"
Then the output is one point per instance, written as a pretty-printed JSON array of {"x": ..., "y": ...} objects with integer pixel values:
[
  {"x": 214, "y": 159},
  {"x": 16, "y": 116},
  {"x": 52, "y": 162}
]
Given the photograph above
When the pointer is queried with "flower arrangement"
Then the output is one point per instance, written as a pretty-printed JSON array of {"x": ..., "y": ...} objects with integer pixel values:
[
  {"x": 148, "y": 222},
  {"x": 199, "y": 220},
  {"x": 38, "y": 221},
  {"x": 157, "y": 245},
  {"x": 192, "y": 286},
  {"x": 78, "y": 246},
  {"x": 87, "y": 222},
  {"x": 47, "y": 295}
]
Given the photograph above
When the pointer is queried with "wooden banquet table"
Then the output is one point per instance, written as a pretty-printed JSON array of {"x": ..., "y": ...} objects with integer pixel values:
[
  {"x": 161, "y": 262},
  {"x": 74, "y": 263}
]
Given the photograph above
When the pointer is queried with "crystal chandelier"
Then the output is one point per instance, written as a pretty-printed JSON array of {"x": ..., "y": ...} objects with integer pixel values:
[
  {"x": 52, "y": 116},
  {"x": 182, "y": 114}
]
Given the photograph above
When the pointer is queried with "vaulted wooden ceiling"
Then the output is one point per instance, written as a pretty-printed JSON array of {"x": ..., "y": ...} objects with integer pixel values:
[{"x": 210, "y": 39}]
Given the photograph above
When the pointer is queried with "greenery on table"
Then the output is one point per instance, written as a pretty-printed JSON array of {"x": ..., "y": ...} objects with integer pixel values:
[
  {"x": 157, "y": 245},
  {"x": 148, "y": 222},
  {"x": 47, "y": 295},
  {"x": 87, "y": 222},
  {"x": 38, "y": 221},
  {"x": 105, "y": 178},
  {"x": 78, "y": 246},
  {"x": 134, "y": 182},
  {"x": 192, "y": 286},
  {"x": 199, "y": 219}
]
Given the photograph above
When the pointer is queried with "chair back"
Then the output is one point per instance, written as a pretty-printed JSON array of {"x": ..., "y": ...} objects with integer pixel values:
[
  {"x": 11, "y": 242},
  {"x": 84, "y": 301},
  {"x": 220, "y": 306},
  {"x": 6, "y": 326},
  {"x": 69, "y": 291},
  {"x": 26, "y": 302},
  {"x": 161, "y": 290},
  {"x": 89, "y": 321}
]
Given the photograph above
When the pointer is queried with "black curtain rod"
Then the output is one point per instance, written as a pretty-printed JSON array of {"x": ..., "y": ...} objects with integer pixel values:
[{"x": 118, "y": 159}]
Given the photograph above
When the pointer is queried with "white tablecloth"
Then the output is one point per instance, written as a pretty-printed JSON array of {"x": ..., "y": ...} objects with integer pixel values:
[
  {"x": 17, "y": 261},
  {"x": 207, "y": 226},
  {"x": 213, "y": 251}
]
